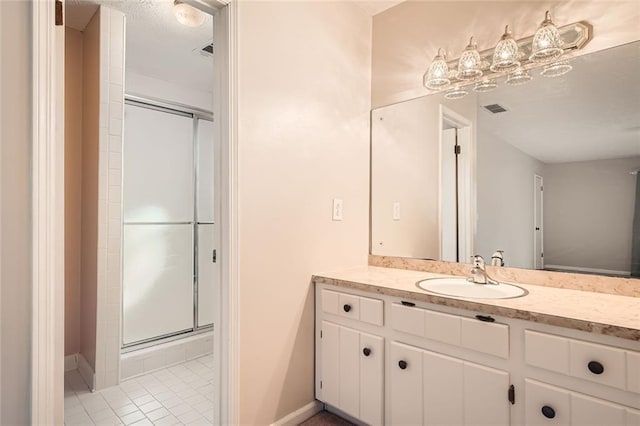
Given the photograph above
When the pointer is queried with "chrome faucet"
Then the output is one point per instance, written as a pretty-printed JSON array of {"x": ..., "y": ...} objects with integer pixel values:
[{"x": 478, "y": 273}]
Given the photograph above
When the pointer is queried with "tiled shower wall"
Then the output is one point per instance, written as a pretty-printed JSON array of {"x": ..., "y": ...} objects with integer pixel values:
[{"x": 109, "y": 294}]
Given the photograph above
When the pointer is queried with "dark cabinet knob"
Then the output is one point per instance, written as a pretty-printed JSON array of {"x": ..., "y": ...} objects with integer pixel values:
[
  {"x": 548, "y": 412},
  {"x": 402, "y": 365},
  {"x": 366, "y": 351},
  {"x": 346, "y": 307},
  {"x": 595, "y": 367}
]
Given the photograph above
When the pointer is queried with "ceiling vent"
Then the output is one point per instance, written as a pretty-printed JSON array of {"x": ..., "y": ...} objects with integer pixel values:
[
  {"x": 495, "y": 108},
  {"x": 206, "y": 50}
]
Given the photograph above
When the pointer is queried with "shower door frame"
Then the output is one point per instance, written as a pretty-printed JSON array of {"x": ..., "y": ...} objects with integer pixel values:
[
  {"x": 195, "y": 114},
  {"x": 47, "y": 337}
]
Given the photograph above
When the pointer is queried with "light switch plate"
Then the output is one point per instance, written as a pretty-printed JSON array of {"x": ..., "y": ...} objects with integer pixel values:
[
  {"x": 337, "y": 209},
  {"x": 396, "y": 211}
]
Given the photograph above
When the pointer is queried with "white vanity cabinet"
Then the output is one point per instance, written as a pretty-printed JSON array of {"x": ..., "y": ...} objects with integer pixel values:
[
  {"x": 434, "y": 389},
  {"x": 352, "y": 371},
  {"x": 385, "y": 360}
]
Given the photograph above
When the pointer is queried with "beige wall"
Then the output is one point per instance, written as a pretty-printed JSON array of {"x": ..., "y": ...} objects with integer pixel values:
[
  {"x": 505, "y": 200},
  {"x": 73, "y": 188},
  {"x": 303, "y": 105},
  {"x": 15, "y": 224},
  {"x": 588, "y": 214},
  {"x": 407, "y": 36},
  {"x": 89, "y": 197}
]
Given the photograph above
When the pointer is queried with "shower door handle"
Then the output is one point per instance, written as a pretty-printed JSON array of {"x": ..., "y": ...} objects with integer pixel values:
[{"x": 214, "y": 257}]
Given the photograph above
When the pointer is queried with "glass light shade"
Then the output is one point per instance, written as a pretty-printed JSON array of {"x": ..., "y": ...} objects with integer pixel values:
[
  {"x": 456, "y": 93},
  {"x": 485, "y": 85},
  {"x": 556, "y": 69},
  {"x": 187, "y": 15},
  {"x": 469, "y": 63},
  {"x": 437, "y": 77},
  {"x": 519, "y": 76},
  {"x": 547, "y": 44},
  {"x": 505, "y": 55}
]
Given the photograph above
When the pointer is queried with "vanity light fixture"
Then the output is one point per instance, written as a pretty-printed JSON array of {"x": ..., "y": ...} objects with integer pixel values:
[
  {"x": 469, "y": 63},
  {"x": 187, "y": 14},
  {"x": 506, "y": 54},
  {"x": 556, "y": 69},
  {"x": 511, "y": 58},
  {"x": 437, "y": 77},
  {"x": 456, "y": 92},
  {"x": 547, "y": 44},
  {"x": 486, "y": 85},
  {"x": 518, "y": 77}
]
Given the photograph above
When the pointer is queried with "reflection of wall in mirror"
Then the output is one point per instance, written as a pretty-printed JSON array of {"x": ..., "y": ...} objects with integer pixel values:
[
  {"x": 405, "y": 160},
  {"x": 505, "y": 199},
  {"x": 588, "y": 215}
]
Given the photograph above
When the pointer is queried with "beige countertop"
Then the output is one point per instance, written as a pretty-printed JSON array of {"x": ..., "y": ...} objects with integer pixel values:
[{"x": 609, "y": 314}]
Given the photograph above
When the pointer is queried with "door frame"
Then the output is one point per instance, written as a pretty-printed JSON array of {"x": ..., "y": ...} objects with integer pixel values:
[
  {"x": 47, "y": 354},
  {"x": 536, "y": 249},
  {"x": 466, "y": 173}
]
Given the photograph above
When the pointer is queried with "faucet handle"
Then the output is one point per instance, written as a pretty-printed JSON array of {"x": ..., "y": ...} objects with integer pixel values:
[{"x": 478, "y": 261}]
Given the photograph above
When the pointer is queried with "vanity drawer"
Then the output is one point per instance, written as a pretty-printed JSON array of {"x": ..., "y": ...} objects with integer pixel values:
[
  {"x": 607, "y": 365},
  {"x": 470, "y": 333},
  {"x": 359, "y": 308},
  {"x": 488, "y": 338}
]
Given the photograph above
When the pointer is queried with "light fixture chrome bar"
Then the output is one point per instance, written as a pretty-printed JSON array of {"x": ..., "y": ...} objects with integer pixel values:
[{"x": 574, "y": 36}]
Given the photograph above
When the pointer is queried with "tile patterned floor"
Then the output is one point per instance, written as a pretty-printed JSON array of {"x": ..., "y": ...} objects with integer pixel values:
[{"x": 178, "y": 395}]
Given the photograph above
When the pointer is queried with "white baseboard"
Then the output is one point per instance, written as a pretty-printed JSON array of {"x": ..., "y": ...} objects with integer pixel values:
[
  {"x": 87, "y": 373},
  {"x": 588, "y": 270},
  {"x": 300, "y": 415},
  {"x": 70, "y": 362}
]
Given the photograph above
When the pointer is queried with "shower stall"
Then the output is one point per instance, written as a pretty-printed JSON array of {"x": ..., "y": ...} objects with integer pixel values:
[{"x": 168, "y": 222}]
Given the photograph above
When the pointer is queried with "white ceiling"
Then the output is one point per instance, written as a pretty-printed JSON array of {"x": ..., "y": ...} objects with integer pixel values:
[
  {"x": 591, "y": 113},
  {"x": 157, "y": 45},
  {"x": 374, "y": 7}
]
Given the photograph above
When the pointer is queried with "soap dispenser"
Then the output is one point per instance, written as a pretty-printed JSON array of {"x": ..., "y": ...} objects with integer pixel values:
[{"x": 497, "y": 258}]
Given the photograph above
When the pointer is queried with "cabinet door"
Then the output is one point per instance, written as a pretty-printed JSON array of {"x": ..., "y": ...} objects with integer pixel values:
[
  {"x": 485, "y": 396},
  {"x": 443, "y": 385},
  {"x": 546, "y": 405},
  {"x": 633, "y": 417},
  {"x": 349, "y": 371},
  {"x": 405, "y": 363},
  {"x": 330, "y": 363},
  {"x": 588, "y": 411},
  {"x": 371, "y": 378}
]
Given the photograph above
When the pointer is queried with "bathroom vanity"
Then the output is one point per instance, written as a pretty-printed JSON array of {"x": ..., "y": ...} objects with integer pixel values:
[{"x": 390, "y": 353}]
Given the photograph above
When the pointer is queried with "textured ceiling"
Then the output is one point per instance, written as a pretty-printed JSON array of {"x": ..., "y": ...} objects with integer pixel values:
[
  {"x": 591, "y": 113},
  {"x": 157, "y": 45}
]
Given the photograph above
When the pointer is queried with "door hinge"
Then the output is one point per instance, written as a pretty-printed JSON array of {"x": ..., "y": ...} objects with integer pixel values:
[
  {"x": 512, "y": 394},
  {"x": 457, "y": 149},
  {"x": 541, "y": 254},
  {"x": 321, "y": 334},
  {"x": 214, "y": 257},
  {"x": 59, "y": 13},
  {"x": 320, "y": 384}
]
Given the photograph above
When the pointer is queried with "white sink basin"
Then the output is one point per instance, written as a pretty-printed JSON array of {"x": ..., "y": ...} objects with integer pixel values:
[{"x": 460, "y": 287}]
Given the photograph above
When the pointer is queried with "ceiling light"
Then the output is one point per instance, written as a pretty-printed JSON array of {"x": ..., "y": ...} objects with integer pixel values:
[
  {"x": 469, "y": 64},
  {"x": 505, "y": 55},
  {"x": 437, "y": 77},
  {"x": 556, "y": 69},
  {"x": 187, "y": 15},
  {"x": 547, "y": 44}
]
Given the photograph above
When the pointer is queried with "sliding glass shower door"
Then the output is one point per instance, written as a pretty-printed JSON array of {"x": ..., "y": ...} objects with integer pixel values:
[{"x": 168, "y": 275}]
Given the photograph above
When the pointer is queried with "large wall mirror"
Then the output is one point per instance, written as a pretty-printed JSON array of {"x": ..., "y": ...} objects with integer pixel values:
[{"x": 546, "y": 172}]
